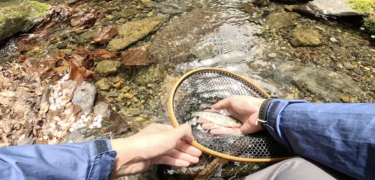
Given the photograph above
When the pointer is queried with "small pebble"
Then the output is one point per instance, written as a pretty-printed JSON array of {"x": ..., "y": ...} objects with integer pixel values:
[
  {"x": 332, "y": 39},
  {"x": 272, "y": 55}
]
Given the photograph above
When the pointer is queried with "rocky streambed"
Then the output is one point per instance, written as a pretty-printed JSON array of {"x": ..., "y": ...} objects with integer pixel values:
[{"x": 78, "y": 70}]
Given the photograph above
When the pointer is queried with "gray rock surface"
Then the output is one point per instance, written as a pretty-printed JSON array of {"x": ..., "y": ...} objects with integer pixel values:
[
  {"x": 102, "y": 109},
  {"x": 327, "y": 8},
  {"x": 84, "y": 96},
  {"x": 319, "y": 81}
]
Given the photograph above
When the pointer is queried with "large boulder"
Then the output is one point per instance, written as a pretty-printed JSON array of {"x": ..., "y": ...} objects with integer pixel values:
[
  {"x": 135, "y": 30},
  {"x": 328, "y": 8},
  {"x": 21, "y": 18}
]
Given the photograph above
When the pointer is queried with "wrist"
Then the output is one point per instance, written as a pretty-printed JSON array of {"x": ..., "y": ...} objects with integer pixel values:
[{"x": 125, "y": 154}]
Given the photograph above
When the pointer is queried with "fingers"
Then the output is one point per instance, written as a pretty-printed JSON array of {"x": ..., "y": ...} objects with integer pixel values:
[
  {"x": 172, "y": 161},
  {"x": 187, "y": 148},
  {"x": 209, "y": 125},
  {"x": 233, "y": 131},
  {"x": 182, "y": 132},
  {"x": 222, "y": 104},
  {"x": 183, "y": 156}
]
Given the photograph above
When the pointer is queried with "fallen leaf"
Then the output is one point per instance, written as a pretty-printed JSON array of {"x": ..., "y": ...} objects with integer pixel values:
[
  {"x": 136, "y": 56},
  {"x": 104, "y": 35},
  {"x": 78, "y": 74}
]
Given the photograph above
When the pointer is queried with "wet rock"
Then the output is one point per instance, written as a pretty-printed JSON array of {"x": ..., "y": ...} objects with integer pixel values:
[
  {"x": 136, "y": 56},
  {"x": 62, "y": 45},
  {"x": 272, "y": 55},
  {"x": 348, "y": 65},
  {"x": 319, "y": 81},
  {"x": 21, "y": 18},
  {"x": 112, "y": 94},
  {"x": 345, "y": 99},
  {"x": 87, "y": 36},
  {"x": 126, "y": 14},
  {"x": 149, "y": 76},
  {"x": 105, "y": 34},
  {"x": 103, "y": 84},
  {"x": 128, "y": 95},
  {"x": 281, "y": 19},
  {"x": 332, "y": 39},
  {"x": 134, "y": 111},
  {"x": 84, "y": 96},
  {"x": 327, "y": 8},
  {"x": 134, "y": 31},
  {"x": 306, "y": 37},
  {"x": 107, "y": 67},
  {"x": 174, "y": 42},
  {"x": 102, "y": 109},
  {"x": 74, "y": 22}
]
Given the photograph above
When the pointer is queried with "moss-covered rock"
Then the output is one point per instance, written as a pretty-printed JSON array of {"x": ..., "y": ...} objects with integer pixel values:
[
  {"x": 363, "y": 6},
  {"x": 367, "y": 7},
  {"x": 21, "y": 18},
  {"x": 369, "y": 23}
]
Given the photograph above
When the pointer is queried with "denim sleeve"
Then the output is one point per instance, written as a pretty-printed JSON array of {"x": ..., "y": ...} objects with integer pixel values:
[
  {"x": 87, "y": 161},
  {"x": 338, "y": 135}
]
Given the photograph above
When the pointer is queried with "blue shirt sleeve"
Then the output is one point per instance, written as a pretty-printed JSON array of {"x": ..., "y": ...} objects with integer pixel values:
[
  {"x": 338, "y": 135},
  {"x": 91, "y": 160}
]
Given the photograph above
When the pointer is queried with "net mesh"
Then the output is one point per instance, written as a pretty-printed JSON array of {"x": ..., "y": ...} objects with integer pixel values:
[{"x": 199, "y": 91}]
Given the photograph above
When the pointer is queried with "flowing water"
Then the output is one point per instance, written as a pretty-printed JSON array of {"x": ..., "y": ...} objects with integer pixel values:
[{"x": 254, "y": 40}]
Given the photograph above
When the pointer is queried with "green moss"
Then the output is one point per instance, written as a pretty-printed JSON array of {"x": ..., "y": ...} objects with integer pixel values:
[
  {"x": 369, "y": 23},
  {"x": 20, "y": 18},
  {"x": 363, "y": 6}
]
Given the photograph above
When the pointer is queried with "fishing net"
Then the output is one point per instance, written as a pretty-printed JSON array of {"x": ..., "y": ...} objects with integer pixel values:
[{"x": 198, "y": 90}]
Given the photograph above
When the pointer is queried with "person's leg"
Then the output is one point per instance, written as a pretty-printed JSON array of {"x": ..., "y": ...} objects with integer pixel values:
[{"x": 296, "y": 169}]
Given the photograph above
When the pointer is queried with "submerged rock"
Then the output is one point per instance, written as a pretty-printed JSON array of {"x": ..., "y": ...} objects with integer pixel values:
[
  {"x": 106, "y": 67},
  {"x": 84, "y": 96},
  {"x": 306, "y": 37},
  {"x": 322, "y": 82},
  {"x": 134, "y": 31},
  {"x": 281, "y": 19},
  {"x": 21, "y": 18},
  {"x": 174, "y": 43}
]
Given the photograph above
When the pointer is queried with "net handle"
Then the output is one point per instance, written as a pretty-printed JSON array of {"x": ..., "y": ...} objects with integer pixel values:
[{"x": 196, "y": 144}]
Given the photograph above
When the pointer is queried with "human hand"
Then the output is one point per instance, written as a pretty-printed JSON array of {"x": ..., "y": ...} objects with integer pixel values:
[
  {"x": 244, "y": 108},
  {"x": 156, "y": 144}
]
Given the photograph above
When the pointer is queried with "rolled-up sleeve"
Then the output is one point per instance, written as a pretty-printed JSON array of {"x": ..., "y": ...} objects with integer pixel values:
[
  {"x": 91, "y": 160},
  {"x": 338, "y": 135}
]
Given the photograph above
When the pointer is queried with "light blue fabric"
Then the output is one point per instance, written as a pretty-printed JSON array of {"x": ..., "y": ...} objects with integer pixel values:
[
  {"x": 87, "y": 161},
  {"x": 337, "y": 135}
]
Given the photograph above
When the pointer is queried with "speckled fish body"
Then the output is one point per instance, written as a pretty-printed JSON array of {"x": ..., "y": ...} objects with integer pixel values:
[{"x": 219, "y": 119}]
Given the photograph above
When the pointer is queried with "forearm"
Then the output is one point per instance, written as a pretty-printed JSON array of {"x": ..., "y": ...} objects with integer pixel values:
[
  {"x": 91, "y": 160},
  {"x": 340, "y": 136}
]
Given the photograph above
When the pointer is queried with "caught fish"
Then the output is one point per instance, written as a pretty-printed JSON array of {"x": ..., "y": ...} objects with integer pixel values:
[{"x": 218, "y": 119}]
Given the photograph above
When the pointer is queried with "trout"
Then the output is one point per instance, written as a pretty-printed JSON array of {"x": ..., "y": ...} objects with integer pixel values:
[{"x": 218, "y": 119}]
